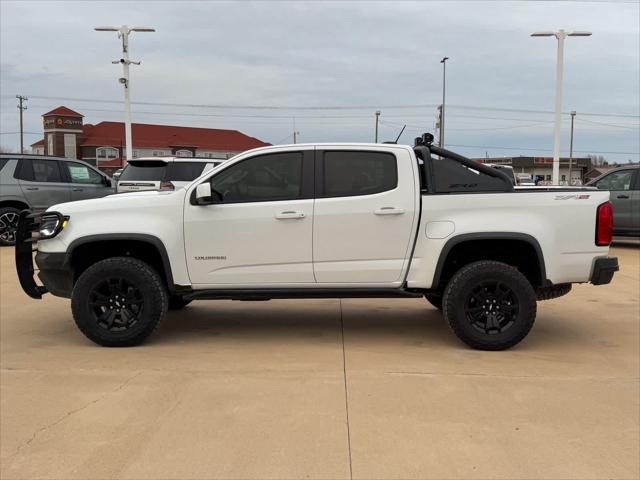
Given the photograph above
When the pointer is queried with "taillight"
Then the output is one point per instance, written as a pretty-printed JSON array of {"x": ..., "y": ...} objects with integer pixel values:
[
  {"x": 604, "y": 225},
  {"x": 167, "y": 186}
]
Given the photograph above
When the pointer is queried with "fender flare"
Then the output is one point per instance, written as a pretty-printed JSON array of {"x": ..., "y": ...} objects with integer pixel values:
[
  {"x": 141, "y": 237},
  {"x": 465, "y": 237}
]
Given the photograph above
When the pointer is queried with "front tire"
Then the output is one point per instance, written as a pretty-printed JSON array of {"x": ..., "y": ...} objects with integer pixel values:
[
  {"x": 489, "y": 305},
  {"x": 118, "y": 302}
]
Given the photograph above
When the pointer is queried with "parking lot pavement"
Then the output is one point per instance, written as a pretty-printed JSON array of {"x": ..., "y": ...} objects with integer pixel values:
[{"x": 265, "y": 390}]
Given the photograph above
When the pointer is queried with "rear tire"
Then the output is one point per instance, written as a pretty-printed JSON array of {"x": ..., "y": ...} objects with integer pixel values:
[
  {"x": 434, "y": 299},
  {"x": 490, "y": 305},
  {"x": 8, "y": 225},
  {"x": 118, "y": 302}
]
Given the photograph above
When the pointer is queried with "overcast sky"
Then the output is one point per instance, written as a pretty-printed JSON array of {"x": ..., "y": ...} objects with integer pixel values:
[{"x": 335, "y": 54}]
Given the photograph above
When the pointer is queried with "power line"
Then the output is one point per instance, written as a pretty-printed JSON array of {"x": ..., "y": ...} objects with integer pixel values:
[
  {"x": 326, "y": 107},
  {"x": 633, "y": 127},
  {"x": 539, "y": 149}
]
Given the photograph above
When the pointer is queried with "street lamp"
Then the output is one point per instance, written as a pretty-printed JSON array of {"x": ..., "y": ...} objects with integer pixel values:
[
  {"x": 123, "y": 33},
  {"x": 444, "y": 78},
  {"x": 560, "y": 36}
]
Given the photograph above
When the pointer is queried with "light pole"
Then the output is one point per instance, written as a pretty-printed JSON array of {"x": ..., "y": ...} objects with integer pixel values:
[
  {"x": 444, "y": 81},
  {"x": 573, "y": 117},
  {"x": 560, "y": 36},
  {"x": 377, "y": 120},
  {"x": 123, "y": 33}
]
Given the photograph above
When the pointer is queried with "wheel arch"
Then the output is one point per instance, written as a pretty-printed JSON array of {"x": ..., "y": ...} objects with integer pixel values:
[
  {"x": 14, "y": 203},
  {"x": 468, "y": 247},
  {"x": 85, "y": 251}
]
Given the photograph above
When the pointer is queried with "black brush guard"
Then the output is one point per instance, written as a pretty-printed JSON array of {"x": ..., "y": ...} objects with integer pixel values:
[{"x": 26, "y": 241}]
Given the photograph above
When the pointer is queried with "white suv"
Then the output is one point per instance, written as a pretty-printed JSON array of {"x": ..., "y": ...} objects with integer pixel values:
[{"x": 163, "y": 173}]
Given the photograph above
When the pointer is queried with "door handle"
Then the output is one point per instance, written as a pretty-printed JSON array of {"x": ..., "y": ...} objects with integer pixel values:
[
  {"x": 622, "y": 196},
  {"x": 289, "y": 214},
  {"x": 389, "y": 211},
  {"x": 78, "y": 190},
  {"x": 33, "y": 188}
]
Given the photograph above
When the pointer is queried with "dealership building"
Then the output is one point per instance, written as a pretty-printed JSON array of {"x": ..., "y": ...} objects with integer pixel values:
[
  {"x": 540, "y": 168},
  {"x": 103, "y": 144}
]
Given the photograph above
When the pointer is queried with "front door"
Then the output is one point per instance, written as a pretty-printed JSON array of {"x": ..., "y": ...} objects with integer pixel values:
[
  {"x": 364, "y": 216},
  {"x": 260, "y": 234},
  {"x": 620, "y": 185},
  {"x": 86, "y": 182}
]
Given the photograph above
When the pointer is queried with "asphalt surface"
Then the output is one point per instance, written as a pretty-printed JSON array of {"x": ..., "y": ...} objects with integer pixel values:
[{"x": 323, "y": 389}]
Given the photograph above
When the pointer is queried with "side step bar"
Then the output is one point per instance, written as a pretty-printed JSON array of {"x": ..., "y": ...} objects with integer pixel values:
[{"x": 295, "y": 293}]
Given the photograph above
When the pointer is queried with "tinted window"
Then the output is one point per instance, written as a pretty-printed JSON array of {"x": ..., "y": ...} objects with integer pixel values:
[
  {"x": 79, "y": 173},
  {"x": 39, "y": 171},
  {"x": 184, "y": 171},
  {"x": 147, "y": 170},
  {"x": 3, "y": 162},
  {"x": 264, "y": 178},
  {"x": 358, "y": 173},
  {"x": 616, "y": 181}
]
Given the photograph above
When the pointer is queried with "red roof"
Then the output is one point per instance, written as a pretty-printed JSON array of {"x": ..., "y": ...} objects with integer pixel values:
[
  {"x": 38, "y": 143},
  {"x": 67, "y": 112},
  {"x": 167, "y": 136}
]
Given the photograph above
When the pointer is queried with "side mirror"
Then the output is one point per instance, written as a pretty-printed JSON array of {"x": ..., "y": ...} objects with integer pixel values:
[{"x": 205, "y": 195}]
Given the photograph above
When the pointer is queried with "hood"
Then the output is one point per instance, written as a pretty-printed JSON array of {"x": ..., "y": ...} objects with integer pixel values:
[{"x": 123, "y": 201}]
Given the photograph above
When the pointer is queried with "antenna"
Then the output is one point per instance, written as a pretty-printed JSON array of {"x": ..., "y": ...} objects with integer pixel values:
[{"x": 400, "y": 134}]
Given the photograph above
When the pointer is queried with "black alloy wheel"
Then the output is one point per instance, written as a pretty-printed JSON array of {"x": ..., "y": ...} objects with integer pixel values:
[
  {"x": 492, "y": 307},
  {"x": 116, "y": 303},
  {"x": 8, "y": 226}
]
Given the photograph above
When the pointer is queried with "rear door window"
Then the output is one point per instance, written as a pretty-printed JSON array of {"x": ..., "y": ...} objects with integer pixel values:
[
  {"x": 184, "y": 171},
  {"x": 46, "y": 171},
  {"x": 147, "y": 170},
  {"x": 350, "y": 173}
]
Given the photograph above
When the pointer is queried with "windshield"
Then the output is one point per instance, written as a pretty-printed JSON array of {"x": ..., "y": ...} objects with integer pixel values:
[{"x": 161, "y": 171}]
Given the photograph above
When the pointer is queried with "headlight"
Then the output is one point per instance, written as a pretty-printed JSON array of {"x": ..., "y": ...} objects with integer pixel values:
[{"x": 51, "y": 224}]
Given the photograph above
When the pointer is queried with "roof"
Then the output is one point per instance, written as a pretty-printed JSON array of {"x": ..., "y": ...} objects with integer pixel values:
[
  {"x": 39, "y": 143},
  {"x": 170, "y": 159},
  {"x": 168, "y": 136},
  {"x": 67, "y": 112}
]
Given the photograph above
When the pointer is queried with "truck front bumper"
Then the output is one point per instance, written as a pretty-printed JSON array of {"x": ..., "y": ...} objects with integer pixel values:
[{"x": 603, "y": 270}]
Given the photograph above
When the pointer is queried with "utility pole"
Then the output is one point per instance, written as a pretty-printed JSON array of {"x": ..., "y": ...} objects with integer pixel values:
[
  {"x": 573, "y": 116},
  {"x": 123, "y": 33},
  {"x": 560, "y": 35},
  {"x": 377, "y": 120},
  {"x": 22, "y": 107},
  {"x": 444, "y": 84},
  {"x": 295, "y": 132}
]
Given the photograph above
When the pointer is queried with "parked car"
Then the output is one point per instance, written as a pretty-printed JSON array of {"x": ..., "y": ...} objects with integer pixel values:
[
  {"x": 507, "y": 170},
  {"x": 324, "y": 221},
  {"x": 36, "y": 182},
  {"x": 163, "y": 173},
  {"x": 624, "y": 185}
]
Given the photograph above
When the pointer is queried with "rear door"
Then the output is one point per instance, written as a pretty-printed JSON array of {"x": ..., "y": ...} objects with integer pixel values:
[
  {"x": 364, "y": 215},
  {"x": 42, "y": 182},
  {"x": 86, "y": 182}
]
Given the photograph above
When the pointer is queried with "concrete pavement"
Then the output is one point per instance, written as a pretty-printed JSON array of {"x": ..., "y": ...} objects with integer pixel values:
[{"x": 265, "y": 390}]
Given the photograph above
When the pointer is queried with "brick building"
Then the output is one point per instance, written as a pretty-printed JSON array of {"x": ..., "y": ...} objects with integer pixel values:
[{"x": 103, "y": 144}]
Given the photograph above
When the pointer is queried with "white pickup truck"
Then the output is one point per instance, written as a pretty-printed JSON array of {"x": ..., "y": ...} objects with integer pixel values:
[{"x": 323, "y": 221}]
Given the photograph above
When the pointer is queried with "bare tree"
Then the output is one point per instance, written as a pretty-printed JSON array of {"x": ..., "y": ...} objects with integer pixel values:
[{"x": 4, "y": 149}]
